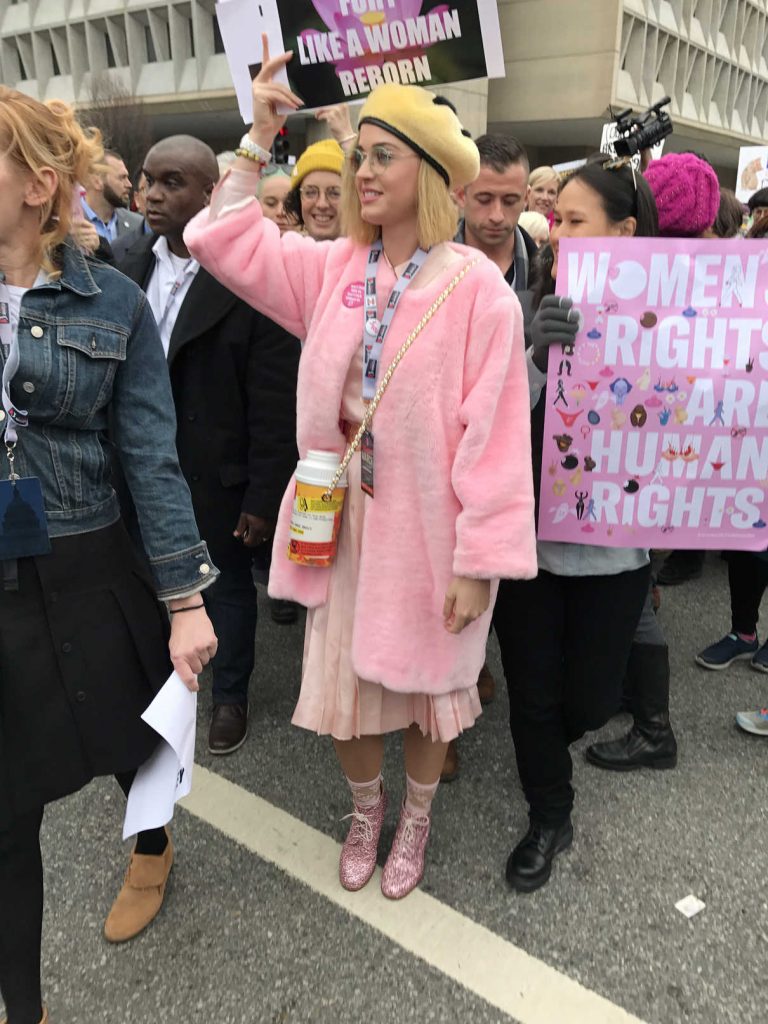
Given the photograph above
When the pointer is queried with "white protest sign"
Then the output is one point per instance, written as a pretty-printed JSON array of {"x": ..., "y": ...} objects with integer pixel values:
[
  {"x": 166, "y": 776},
  {"x": 345, "y": 48},
  {"x": 753, "y": 171},
  {"x": 568, "y": 166},
  {"x": 241, "y": 23}
]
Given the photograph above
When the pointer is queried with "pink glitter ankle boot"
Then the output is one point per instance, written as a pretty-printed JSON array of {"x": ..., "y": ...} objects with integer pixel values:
[
  {"x": 405, "y": 864},
  {"x": 358, "y": 854}
]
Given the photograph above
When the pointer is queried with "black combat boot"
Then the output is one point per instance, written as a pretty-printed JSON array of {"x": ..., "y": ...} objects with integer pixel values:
[{"x": 650, "y": 743}]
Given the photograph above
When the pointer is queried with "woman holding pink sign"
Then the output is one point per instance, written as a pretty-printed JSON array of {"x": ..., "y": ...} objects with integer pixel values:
[
  {"x": 438, "y": 504},
  {"x": 566, "y": 636}
]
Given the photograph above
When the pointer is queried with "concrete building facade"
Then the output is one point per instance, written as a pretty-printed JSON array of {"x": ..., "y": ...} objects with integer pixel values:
[{"x": 568, "y": 62}]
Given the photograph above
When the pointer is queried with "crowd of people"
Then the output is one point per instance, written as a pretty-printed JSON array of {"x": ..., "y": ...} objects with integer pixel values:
[{"x": 388, "y": 300}]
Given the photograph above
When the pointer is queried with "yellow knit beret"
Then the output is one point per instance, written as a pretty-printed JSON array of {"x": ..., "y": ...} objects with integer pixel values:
[
  {"x": 429, "y": 125},
  {"x": 326, "y": 155}
]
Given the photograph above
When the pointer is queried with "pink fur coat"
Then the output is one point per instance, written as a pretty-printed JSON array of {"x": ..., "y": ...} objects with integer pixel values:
[{"x": 454, "y": 493}]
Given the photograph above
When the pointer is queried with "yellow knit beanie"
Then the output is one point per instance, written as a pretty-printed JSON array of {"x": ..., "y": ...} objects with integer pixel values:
[
  {"x": 326, "y": 155},
  {"x": 429, "y": 125}
]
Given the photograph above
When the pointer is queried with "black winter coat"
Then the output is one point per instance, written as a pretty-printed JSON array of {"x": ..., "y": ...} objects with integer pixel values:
[{"x": 233, "y": 374}]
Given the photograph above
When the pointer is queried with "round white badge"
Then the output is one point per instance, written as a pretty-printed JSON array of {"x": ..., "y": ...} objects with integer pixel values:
[{"x": 372, "y": 326}]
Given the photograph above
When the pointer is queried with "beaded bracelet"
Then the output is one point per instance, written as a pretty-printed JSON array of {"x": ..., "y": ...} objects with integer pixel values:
[
  {"x": 251, "y": 156},
  {"x": 253, "y": 151}
]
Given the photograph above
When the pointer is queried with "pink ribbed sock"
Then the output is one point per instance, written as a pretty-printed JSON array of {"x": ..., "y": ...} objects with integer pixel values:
[
  {"x": 418, "y": 797},
  {"x": 366, "y": 794}
]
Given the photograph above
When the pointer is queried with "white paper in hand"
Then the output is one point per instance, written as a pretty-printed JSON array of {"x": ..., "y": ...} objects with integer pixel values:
[{"x": 167, "y": 776}]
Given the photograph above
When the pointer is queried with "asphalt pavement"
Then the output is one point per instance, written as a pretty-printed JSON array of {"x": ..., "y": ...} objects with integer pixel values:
[{"x": 243, "y": 940}]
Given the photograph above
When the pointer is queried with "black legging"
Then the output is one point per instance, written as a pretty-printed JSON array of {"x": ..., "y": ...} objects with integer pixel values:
[
  {"x": 21, "y": 909},
  {"x": 747, "y": 580},
  {"x": 21, "y": 919},
  {"x": 565, "y": 642}
]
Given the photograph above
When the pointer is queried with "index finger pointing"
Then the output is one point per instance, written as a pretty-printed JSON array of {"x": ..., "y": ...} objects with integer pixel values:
[{"x": 271, "y": 65}]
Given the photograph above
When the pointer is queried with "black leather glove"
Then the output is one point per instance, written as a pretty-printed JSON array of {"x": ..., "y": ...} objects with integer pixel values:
[{"x": 556, "y": 323}]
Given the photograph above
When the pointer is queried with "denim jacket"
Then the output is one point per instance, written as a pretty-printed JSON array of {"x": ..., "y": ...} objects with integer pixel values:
[{"x": 91, "y": 362}]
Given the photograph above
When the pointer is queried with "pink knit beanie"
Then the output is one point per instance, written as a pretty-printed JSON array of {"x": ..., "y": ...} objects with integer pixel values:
[{"x": 687, "y": 194}]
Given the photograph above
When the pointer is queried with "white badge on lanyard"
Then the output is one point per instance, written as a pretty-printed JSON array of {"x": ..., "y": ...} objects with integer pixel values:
[{"x": 23, "y": 526}]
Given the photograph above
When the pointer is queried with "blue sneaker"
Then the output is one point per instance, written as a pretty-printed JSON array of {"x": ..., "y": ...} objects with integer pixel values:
[
  {"x": 760, "y": 660},
  {"x": 731, "y": 648}
]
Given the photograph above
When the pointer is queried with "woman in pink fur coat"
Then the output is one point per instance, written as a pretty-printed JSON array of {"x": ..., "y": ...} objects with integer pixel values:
[{"x": 397, "y": 627}]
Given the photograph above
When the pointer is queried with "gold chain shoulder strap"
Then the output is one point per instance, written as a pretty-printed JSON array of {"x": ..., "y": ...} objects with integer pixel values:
[{"x": 368, "y": 419}]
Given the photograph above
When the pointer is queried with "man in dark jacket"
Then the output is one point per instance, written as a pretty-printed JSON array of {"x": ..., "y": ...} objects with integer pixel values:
[
  {"x": 491, "y": 208},
  {"x": 492, "y": 205},
  {"x": 233, "y": 374}
]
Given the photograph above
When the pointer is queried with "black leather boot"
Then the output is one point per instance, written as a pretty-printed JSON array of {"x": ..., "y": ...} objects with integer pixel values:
[
  {"x": 530, "y": 863},
  {"x": 650, "y": 743},
  {"x": 680, "y": 567}
]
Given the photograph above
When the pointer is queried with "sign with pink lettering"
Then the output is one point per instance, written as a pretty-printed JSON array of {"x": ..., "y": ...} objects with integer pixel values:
[
  {"x": 342, "y": 49},
  {"x": 656, "y": 427}
]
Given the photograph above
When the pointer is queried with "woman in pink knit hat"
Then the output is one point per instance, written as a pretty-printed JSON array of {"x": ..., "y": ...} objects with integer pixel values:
[
  {"x": 687, "y": 194},
  {"x": 398, "y": 624}
]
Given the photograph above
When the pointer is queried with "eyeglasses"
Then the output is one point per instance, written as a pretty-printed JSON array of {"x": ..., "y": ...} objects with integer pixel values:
[
  {"x": 312, "y": 193},
  {"x": 379, "y": 158}
]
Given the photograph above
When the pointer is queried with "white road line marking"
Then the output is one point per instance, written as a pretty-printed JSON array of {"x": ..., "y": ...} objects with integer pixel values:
[{"x": 479, "y": 960}]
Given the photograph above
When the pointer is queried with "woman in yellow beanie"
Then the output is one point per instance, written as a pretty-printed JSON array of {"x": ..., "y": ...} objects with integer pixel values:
[
  {"x": 397, "y": 624},
  {"x": 315, "y": 194}
]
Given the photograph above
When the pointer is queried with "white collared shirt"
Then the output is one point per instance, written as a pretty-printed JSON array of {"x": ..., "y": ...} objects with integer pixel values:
[{"x": 168, "y": 286}]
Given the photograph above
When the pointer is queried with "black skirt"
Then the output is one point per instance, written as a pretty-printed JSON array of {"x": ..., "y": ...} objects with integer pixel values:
[{"x": 83, "y": 650}]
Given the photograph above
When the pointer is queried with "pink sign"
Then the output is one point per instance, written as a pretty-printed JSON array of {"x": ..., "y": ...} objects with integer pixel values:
[{"x": 656, "y": 429}]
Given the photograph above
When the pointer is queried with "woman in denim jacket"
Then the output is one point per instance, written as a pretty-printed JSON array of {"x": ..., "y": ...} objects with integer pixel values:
[{"x": 84, "y": 642}]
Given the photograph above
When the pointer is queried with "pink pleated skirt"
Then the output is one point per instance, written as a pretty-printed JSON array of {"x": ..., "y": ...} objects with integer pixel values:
[{"x": 333, "y": 700}]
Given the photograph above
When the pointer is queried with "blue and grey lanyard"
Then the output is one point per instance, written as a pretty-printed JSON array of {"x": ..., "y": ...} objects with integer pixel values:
[{"x": 375, "y": 330}]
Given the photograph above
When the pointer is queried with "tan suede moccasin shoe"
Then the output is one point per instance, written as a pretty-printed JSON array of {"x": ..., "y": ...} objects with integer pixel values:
[{"x": 139, "y": 901}]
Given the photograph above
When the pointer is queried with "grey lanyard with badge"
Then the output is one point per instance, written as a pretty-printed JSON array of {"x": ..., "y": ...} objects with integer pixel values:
[
  {"x": 374, "y": 333},
  {"x": 23, "y": 527}
]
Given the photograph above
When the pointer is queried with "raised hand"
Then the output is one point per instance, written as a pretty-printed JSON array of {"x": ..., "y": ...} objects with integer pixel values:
[
  {"x": 339, "y": 123},
  {"x": 268, "y": 95}
]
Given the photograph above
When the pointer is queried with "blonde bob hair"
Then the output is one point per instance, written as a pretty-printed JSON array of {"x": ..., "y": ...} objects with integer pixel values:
[
  {"x": 34, "y": 136},
  {"x": 437, "y": 216},
  {"x": 540, "y": 175}
]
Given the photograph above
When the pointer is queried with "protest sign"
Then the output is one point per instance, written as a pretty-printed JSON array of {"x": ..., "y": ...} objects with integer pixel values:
[
  {"x": 753, "y": 171},
  {"x": 345, "y": 48},
  {"x": 656, "y": 428},
  {"x": 569, "y": 166}
]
